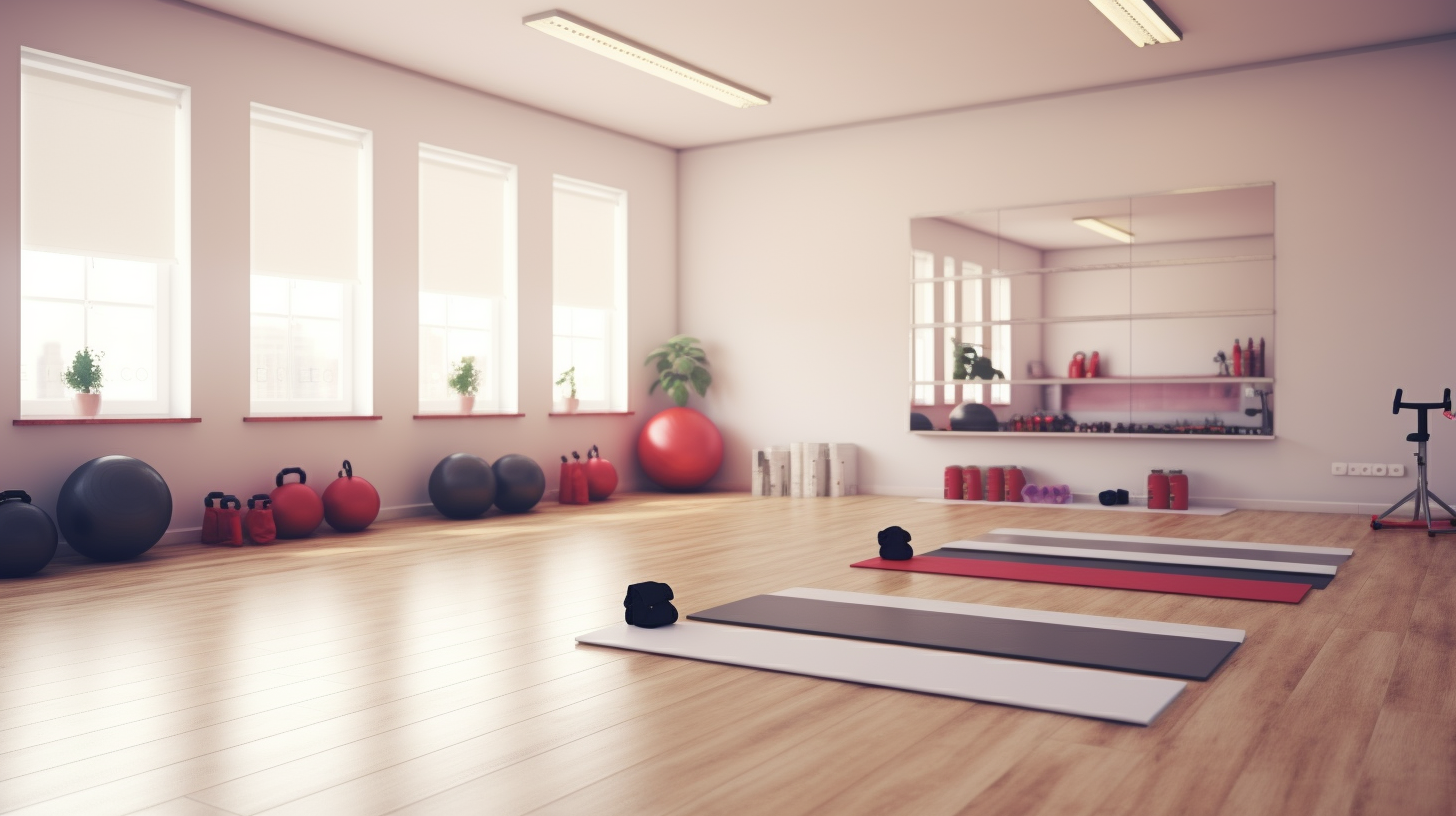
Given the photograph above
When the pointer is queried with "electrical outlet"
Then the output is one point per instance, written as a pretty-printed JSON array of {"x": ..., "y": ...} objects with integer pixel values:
[
  {"x": 1338, "y": 468},
  {"x": 1364, "y": 469},
  {"x": 1395, "y": 470},
  {"x": 1377, "y": 470}
]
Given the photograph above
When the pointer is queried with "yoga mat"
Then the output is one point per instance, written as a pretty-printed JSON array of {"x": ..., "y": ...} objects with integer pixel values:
[
  {"x": 1127, "y": 698},
  {"x": 1141, "y": 557},
  {"x": 1288, "y": 553},
  {"x": 1106, "y": 578},
  {"x": 1189, "y": 658},
  {"x": 1089, "y": 505},
  {"x": 1317, "y": 581}
]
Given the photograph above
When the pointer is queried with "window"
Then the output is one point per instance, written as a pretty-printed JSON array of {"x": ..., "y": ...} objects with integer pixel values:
[
  {"x": 1001, "y": 336},
  {"x": 467, "y": 277},
  {"x": 104, "y": 236},
  {"x": 311, "y": 343},
  {"x": 973, "y": 311},
  {"x": 922, "y": 332},
  {"x": 589, "y": 291}
]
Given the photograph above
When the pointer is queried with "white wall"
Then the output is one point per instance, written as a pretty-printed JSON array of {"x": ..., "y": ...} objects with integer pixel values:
[
  {"x": 229, "y": 64},
  {"x": 809, "y": 235}
]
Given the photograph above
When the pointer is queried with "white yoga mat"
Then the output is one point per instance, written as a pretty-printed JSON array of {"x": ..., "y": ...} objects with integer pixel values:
[
  {"x": 1142, "y": 557},
  {"x": 1016, "y": 613},
  {"x": 1104, "y": 695},
  {"x": 1116, "y": 508},
  {"x": 1186, "y": 542}
]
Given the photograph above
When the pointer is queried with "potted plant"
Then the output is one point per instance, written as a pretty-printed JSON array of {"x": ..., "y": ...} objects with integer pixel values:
[
  {"x": 680, "y": 448},
  {"x": 465, "y": 381},
  {"x": 84, "y": 377},
  {"x": 568, "y": 379}
]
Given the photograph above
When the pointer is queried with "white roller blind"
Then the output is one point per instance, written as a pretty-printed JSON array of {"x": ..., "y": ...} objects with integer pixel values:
[
  {"x": 584, "y": 247},
  {"x": 462, "y": 226},
  {"x": 306, "y": 201},
  {"x": 98, "y": 175}
]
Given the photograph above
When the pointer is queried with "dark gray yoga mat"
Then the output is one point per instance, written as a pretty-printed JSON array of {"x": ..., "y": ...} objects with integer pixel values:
[
  {"x": 1168, "y": 655},
  {"x": 1208, "y": 551},
  {"x": 1316, "y": 580}
]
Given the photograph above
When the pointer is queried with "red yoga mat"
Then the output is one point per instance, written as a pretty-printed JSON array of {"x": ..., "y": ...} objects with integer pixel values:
[{"x": 1110, "y": 579}]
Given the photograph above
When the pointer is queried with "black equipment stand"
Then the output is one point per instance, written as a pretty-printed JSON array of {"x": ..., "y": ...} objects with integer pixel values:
[{"x": 1422, "y": 494}]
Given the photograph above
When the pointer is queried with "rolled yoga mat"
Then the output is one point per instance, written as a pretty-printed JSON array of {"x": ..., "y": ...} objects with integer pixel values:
[
  {"x": 1127, "y": 698},
  {"x": 1242, "y": 589},
  {"x": 1288, "y": 553},
  {"x": 1121, "y": 644},
  {"x": 1318, "y": 581}
]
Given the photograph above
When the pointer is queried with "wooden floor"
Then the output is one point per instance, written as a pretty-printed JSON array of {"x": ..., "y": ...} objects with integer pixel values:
[{"x": 428, "y": 667}]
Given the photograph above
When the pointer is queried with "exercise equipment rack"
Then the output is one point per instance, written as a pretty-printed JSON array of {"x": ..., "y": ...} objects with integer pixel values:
[{"x": 1422, "y": 495}]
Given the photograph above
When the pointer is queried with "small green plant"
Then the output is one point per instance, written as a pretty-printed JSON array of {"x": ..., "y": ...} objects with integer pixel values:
[
  {"x": 84, "y": 375},
  {"x": 680, "y": 362},
  {"x": 568, "y": 379},
  {"x": 465, "y": 377}
]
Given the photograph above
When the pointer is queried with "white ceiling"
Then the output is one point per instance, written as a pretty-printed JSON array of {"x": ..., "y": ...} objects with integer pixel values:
[{"x": 824, "y": 62}]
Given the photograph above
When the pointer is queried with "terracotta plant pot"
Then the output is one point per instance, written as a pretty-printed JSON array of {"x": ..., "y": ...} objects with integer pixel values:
[
  {"x": 88, "y": 405},
  {"x": 467, "y": 403},
  {"x": 570, "y": 404}
]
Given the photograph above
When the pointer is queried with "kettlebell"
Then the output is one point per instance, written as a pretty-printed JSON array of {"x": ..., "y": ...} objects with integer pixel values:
[
  {"x": 350, "y": 502},
  {"x": 297, "y": 509}
]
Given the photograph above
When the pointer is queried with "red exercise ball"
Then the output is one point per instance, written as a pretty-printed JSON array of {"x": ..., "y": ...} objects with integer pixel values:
[
  {"x": 601, "y": 476},
  {"x": 350, "y": 503},
  {"x": 297, "y": 509},
  {"x": 680, "y": 449}
]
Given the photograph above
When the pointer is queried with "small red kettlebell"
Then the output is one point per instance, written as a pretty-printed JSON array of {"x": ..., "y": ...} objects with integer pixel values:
[
  {"x": 350, "y": 503},
  {"x": 297, "y": 509},
  {"x": 601, "y": 476}
]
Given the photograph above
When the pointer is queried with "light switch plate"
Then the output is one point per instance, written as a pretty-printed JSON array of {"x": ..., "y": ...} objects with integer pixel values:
[
  {"x": 1395, "y": 470},
  {"x": 1364, "y": 469},
  {"x": 1377, "y": 469}
]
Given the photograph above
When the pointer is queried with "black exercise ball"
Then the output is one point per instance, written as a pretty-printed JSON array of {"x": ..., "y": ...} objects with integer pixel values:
[
  {"x": 114, "y": 508},
  {"x": 519, "y": 483},
  {"x": 27, "y": 536},
  {"x": 920, "y": 422},
  {"x": 973, "y": 416},
  {"x": 462, "y": 486}
]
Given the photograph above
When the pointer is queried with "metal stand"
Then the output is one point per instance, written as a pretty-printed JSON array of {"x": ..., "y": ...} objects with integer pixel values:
[{"x": 1422, "y": 495}]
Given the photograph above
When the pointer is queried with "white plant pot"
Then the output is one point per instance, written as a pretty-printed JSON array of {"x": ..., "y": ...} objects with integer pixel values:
[
  {"x": 570, "y": 404},
  {"x": 88, "y": 405},
  {"x": 467, "y": 403}
]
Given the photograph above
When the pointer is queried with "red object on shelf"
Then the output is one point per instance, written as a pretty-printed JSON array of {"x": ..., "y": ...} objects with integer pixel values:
[
  {"x": 1177, "y": 490},
  {"x": 972, "y": 480},
  {"x": 1262, "y": 371},
  {"x": 955, "y": 482},
  {"x": 680, "y": 449},
  {"x": 350, "y": 502},
  {"x": 1240, "y": 588},
  {"x": 1158, "y": 494},
  {"x": 601, "y": 476},
  {"x": 1015, "y": 482},
  {"x": 1238, "y": 359},
  {"x": 1093, "y": 364},
  {"x": 1078, "y": 367},
  {"x": 995, "y": 484}
]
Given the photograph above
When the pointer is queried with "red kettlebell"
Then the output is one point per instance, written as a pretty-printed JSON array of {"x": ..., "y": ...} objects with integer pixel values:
[
  {"x": 297, "y": 509},
  {"x": 350, "y": 503},
  {"x": 601, "y": 476}
]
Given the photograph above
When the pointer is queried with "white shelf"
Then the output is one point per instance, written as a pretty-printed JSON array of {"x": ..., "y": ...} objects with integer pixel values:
[
  {"x": 1101, "y": 267},
  {"x": 1128, "y": 316},
  {"x": 1110, "y": 381},
  {"x": 1071, "y": 435}
]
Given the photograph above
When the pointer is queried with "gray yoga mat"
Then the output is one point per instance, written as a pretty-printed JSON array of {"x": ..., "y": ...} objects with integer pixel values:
[
  {"x": 1208, "y": 550},
  {"x": 1168, "y": 655}
]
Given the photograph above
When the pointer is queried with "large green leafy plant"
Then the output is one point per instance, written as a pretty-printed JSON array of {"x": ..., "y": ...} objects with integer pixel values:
[
  {"x": 84, "y": 375},
  {"x": 680, "y": 363}
]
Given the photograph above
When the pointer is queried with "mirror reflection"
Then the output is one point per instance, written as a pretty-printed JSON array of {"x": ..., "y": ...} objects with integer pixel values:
[{"x": 1138, "y": 315}]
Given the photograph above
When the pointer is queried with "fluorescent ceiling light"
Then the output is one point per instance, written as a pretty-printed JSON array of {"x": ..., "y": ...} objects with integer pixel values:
[
  {"x": 1101, "y": 227},
  {"x": 1142, "y": 22},
  {"x": 594, "y": 38}
]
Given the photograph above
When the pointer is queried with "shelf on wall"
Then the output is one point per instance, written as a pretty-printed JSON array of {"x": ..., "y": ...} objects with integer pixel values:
[
  {"x": 1069, "y": 435},
  {"x": 1128, "y": 316},
  {"x": 312, "y": 418},
  {"x": 468, "y": 416},
  {"x": 592, "y": 413},
  {"x": 1101, "y": 267},
  {"x": 1110, "y": 381},
  {"x": 106, "y": 421}
]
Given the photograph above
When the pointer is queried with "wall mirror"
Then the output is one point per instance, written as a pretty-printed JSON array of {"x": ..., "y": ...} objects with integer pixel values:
[{"x": 1139, "y": 315}]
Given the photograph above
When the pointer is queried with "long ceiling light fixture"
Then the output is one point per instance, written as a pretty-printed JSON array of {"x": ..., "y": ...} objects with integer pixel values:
[
  {"x": 1142, "y": 21},
  {"x": 1103, "y": 228},
  {"x": 609, "y": 44}
]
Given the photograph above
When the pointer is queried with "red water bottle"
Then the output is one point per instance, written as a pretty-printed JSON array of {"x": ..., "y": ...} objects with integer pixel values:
[
  {"x": 1157, "y": 490},
  {"x": 954, "y": 482},
  {"x": 973, "y": 490},
  {"x": 1015, "y": 481},
  {"x": 1178, "y": 490},
  {"x": 995, "y": 484}
]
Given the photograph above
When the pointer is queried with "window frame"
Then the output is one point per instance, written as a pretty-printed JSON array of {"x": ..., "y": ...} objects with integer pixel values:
[{"x": 617, "y": 397}]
